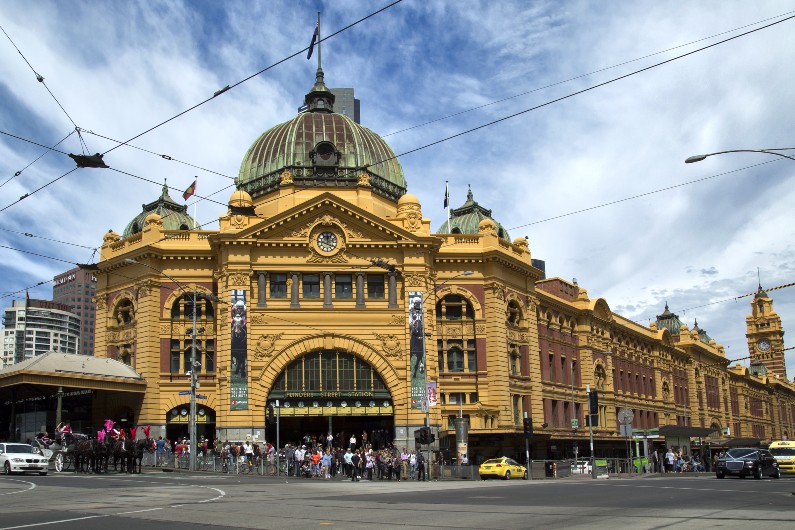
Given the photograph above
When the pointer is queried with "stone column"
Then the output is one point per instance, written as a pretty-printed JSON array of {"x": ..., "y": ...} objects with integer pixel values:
[
  {"x": 359, "y": 289},
  {"x": 393, "y": 289},
  {"x": 327, "y": 290},
  {"x": 261, "y": 284},
  {"x": 294, "y": 290}
]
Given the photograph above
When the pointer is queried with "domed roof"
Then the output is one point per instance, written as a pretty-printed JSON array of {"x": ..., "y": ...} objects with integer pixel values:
[
  {"x": 466, "y": 219},
  {"x": 320, "y": 148},
  {"x": 174, "y": 216}
]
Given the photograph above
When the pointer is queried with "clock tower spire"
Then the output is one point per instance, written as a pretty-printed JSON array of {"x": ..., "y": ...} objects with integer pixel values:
[{"x": 765, "y": 335}]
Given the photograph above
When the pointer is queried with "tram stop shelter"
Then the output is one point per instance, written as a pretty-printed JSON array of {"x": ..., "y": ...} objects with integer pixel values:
[{"x": 39, "y": 393}]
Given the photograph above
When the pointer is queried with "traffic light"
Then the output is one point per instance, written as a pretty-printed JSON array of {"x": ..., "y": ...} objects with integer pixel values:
[
  {"x": 593, "y": 402},
  {"x": 528, "y": 427},
  {"x": 271, "y": 417},
  {"x": 592, "y": 418},
  {"x": 423, "y": 435}
]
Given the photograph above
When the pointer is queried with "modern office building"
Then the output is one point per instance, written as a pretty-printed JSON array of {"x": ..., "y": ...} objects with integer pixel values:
[
  {"x": 75, "y": 288},
  {"x": 35, "y": 327},
  {"x": 345, "y": 103}
]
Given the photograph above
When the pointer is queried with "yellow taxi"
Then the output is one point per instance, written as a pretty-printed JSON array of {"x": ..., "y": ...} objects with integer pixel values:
[
  {"x": 784, "y": 453},
  {"x": 504, "y": 468}
]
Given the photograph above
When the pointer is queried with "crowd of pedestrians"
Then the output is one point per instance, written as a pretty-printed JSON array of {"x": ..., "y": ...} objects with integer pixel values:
[
  {"x": 359, "y": 460},
  {"x": 315, "y": 457}
]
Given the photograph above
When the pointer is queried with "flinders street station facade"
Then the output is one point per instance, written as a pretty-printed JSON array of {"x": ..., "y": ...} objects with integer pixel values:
[{"x": 326, "y": 290}]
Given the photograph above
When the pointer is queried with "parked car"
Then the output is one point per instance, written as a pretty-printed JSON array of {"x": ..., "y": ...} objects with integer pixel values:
[
  {"x": 784, "y": 453},
  {"x": 504, "y": 468},
  {"x": 581, "y": 467},
  {"x": 747, "y": 462},
  {"x": 21, "y": 458}
]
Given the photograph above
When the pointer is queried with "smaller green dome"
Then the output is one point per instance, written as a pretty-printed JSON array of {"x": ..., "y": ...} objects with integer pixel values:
[
  {"x": 466, "y": 219},
  {"x": 174, "y": 216}
]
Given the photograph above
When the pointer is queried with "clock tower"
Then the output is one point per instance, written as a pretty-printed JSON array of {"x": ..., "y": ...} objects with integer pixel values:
[{"x": 765, "y": 335}]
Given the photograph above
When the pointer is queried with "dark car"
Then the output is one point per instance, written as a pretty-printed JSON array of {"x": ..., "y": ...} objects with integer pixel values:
[{"x": 747, "y": 462}]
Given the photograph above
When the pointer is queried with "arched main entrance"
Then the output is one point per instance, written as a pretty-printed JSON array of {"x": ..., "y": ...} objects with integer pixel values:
[{"x": 331, "y": 391}]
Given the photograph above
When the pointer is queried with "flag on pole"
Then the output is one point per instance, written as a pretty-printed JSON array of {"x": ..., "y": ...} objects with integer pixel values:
[
  {"x": 190, "y": 191},
  {"x": 446, "y": 195},
  {"x": 314, "y": 39}
]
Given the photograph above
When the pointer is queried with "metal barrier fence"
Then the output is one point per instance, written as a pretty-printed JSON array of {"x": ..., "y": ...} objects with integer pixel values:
[{"x": 539, "y": 469}]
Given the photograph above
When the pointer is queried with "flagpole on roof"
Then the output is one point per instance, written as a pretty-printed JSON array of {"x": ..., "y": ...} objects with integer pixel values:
[
  {"x": 447, "y": 203},
  {"x": 195, "y": 205},
  {"x": 318, "y": 40}
]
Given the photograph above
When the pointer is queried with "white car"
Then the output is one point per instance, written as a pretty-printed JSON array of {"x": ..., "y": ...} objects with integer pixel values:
[
  {"x": 581, "y": 467},
  {"x": 21, "y": 458}
]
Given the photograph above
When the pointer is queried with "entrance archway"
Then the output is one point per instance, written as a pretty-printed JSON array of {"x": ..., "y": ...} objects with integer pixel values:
[
  {"x": 178, "y": 419},
  {"x": 331, "y": 391}
]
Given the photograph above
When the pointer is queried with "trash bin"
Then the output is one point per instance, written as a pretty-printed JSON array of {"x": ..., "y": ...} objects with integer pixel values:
[{"x": 549, "y": 469}]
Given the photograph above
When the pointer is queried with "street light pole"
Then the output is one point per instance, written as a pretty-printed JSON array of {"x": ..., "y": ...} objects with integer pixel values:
[
  {"x": 772, "y": 151},
  {"x": 425, "y": 336},
  {"x": 194, "y": 364}
]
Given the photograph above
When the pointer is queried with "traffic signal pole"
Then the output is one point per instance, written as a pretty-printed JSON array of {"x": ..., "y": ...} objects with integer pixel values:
[
  {"x": 590, "y": 430},
  {"x": 527, "y": 449}
]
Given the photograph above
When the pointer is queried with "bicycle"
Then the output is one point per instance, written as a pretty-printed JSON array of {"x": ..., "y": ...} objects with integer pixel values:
[{"x": 244, "y": 466}]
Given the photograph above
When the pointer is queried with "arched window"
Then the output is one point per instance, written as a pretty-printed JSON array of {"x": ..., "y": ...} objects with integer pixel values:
[
  {"x": 124, "y": 312},
  {"x": 182, "y": 308},
  {"x": 454, "y": 307},
  {"x": 513, "y": 314},
  {"x": 329, "y": 373}
]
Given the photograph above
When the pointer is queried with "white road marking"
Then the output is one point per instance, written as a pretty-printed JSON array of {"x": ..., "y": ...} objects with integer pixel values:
[{"x": 32, "y": 485}]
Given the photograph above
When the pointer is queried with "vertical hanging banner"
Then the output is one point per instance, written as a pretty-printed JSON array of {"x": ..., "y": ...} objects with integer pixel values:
[
  {"x": 417, "y": 364},
  {"x": 239, "y": 378}
]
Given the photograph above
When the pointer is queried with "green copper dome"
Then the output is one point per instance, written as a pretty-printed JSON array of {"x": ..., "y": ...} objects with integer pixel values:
[
  {"x": 466, "y": 219},
  {"x": 320, "y": 148},
  {"x": 173, "y": 215}
]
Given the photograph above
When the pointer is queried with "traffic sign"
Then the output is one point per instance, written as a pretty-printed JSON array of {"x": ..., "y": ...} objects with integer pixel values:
[
  {"x": 575, "y": 424},
  {"x": 184, "y": 392},
  {"x": 199, "y": 396}
]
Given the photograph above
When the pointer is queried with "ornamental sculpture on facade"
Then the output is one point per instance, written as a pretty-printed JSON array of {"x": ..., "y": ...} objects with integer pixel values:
[
  {"x": 265, "y": 345},
  {"x": 390, "y": 344}
]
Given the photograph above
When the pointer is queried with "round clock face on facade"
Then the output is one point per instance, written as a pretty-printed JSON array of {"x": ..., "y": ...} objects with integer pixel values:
[
  {"x": 763, "y": 345},
  {"x": 326, "y": 241}
]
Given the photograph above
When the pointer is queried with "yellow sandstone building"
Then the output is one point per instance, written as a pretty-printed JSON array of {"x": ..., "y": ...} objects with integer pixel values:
[{"x": 334, "y": 297}]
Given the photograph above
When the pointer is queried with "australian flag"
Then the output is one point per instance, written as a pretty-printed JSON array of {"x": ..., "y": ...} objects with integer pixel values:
[{"x": 314, "y": 40}]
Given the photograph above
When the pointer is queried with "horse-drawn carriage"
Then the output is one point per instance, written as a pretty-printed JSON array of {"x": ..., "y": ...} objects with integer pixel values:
[{"x": 84, "y": 454}]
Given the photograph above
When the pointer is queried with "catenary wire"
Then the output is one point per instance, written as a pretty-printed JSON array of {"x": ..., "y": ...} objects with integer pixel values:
[
  {"x": 577, "y": 93},
  {"x": 583, "y": 75},
  {"x": 39, "y": 77},
  {"x": 641, "y": 195},
  {"x": 18, "y": 173},
  {"x": 227, "y": 88}
]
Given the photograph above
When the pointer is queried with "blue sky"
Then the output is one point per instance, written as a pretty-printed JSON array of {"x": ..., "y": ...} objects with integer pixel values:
[{"x": 119, "y": 68}]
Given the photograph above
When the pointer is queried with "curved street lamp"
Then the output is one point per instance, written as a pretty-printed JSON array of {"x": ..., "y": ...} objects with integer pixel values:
[
  {"x": 772, "y": 151},
  {"x": 194, "y": 364}
]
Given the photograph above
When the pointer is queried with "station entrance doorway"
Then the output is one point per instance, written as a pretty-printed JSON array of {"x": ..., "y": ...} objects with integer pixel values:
[{"x": 331, "y": 391}]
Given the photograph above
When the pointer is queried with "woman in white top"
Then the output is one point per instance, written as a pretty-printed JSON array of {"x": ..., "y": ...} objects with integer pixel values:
[{"x": 352, "y": 442}]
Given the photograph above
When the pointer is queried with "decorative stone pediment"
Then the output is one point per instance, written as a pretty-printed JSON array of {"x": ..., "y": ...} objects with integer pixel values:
[
  {"x": 390, "y": 344},
  {"x": 266, "y": 345}
]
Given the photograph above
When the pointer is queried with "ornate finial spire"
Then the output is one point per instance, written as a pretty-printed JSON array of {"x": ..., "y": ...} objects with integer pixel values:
[
  {"x": 470, "y": 197},
  {"x": 320, "y": 98}
]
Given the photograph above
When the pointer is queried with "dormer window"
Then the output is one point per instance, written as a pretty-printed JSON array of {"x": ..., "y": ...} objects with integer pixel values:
[{"x": 325, "y": 155}]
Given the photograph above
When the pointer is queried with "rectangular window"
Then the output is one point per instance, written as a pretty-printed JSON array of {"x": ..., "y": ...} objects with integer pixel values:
[
  {"x": 278, "y": 285},
  {"x": 312, "y": 372},
  {"x": 375, "y": 286},
  {"x": 345, "y": 364},
  {"x": 175, "y": 355},
  {"x": 209, "y": 355},
  {"x": 473, "y": 397},
  {"x": 343, "y": 286},
  {"x": 329, "y": 372},
  {"x": 311, "y": 284},
  {"x": 364, "y": 376}
]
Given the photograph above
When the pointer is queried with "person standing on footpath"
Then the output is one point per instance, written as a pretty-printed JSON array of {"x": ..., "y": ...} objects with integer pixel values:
[
  {"x": 420, "y": 466},
  {"x": 355, "y": 460}
]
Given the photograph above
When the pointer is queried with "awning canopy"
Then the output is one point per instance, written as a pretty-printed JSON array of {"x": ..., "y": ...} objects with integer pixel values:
[
  {"x": 683, "y": 431},
  {"x": 737, "y": 442}
]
